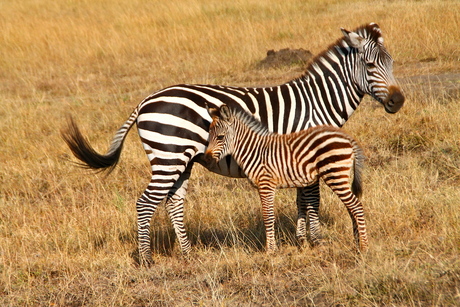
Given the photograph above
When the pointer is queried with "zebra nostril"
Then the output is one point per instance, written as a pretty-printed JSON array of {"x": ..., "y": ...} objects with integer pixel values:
[
  {"x": 396, "y": 100},
  {"x": 211, "y": 157},
  {"x": 208, "y": 156}
]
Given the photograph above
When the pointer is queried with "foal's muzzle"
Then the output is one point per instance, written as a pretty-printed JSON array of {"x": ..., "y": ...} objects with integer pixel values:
[{"x": 209, "y": 157}]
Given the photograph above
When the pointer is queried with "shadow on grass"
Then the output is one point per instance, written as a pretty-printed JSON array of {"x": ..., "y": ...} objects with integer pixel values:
[{"x": 252, "y": 238}]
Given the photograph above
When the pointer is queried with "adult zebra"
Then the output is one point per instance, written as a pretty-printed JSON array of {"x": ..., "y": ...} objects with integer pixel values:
[{"x": 173, "y": 124}]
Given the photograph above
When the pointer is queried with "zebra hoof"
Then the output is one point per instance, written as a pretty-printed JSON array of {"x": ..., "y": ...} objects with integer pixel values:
[
  {"x": 272, "y": 250},
  {"x": 316, "y": 241},
  {"x": 146, "y": 262},
  {"x": 363, "y": 249},
  {"x": 303, "y": 242}
]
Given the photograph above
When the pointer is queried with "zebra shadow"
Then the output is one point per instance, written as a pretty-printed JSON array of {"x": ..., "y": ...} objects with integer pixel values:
[{"x": 251, "y": 238}]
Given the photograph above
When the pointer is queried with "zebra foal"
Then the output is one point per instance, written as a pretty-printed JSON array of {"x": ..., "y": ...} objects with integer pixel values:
[{"x": 295, "y": 160}]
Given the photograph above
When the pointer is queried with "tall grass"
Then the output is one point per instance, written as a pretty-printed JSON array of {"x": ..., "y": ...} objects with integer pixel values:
[{"x": 68, "y": 236}]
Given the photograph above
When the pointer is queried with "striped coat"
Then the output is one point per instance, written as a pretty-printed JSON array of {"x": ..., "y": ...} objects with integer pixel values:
[
  {"x": 173, "y": 125},
  {"x": 293, "y": 160}
]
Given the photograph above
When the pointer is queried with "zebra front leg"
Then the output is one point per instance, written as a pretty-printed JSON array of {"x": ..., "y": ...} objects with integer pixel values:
[
  {"x": 267, "y": 197},
  {"x": 308, "y": 200},
  {"x": 175, "y": 208},
  {"x": 301, "y": 230}
]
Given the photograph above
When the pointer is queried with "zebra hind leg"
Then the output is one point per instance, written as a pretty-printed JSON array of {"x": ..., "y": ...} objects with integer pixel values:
[
  {"x": 147, "y": 204},
  {"x": 158, "y": 190},
  {"x": 146, "y": 207},
  {"x": 175, "y": 208},
  {"x": 356, "y": 212}
]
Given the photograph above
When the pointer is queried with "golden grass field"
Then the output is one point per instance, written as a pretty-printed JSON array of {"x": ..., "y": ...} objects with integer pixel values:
[{"x": 68, "y": 236}]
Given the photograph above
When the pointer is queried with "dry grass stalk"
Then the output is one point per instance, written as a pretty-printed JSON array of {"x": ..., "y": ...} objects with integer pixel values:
[{"x": 67, "y": 235}]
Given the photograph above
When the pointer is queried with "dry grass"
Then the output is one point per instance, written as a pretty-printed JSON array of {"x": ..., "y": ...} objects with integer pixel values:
[{"x": 68, "y": 237}]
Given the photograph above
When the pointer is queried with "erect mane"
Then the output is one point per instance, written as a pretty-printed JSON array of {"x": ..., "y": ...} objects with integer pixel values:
[
  {"x": 251, "y": 122},
  {"x": 369, "y": 31}
]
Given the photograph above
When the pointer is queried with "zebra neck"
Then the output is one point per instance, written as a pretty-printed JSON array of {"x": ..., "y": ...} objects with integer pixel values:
[
  {"x": 250, "y": 136},
  {"x": 329, "y": 89}
]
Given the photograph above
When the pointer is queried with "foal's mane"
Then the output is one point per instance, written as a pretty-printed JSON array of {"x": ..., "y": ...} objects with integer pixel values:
[{"x": 250, "y": 121}]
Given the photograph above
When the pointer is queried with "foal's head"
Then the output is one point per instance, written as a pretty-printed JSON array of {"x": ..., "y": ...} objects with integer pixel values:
[{"x": 220, "y": 133}]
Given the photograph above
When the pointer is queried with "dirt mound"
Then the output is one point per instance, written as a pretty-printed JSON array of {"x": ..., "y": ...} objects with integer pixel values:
[{"x": 285, "y": 57}]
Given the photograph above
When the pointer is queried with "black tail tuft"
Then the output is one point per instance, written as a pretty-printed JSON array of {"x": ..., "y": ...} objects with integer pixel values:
[{"x": 84, "y": 152}]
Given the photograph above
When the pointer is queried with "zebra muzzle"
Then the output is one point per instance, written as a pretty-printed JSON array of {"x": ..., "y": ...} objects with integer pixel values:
[
  {"x": 395, "y": 101},
  {"x": 210, "y": 158}
]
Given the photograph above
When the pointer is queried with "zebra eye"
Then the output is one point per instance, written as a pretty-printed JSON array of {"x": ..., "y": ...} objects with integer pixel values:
[
  {"x": 220, "y": 137},
  {"x": 370, "y": 65}
]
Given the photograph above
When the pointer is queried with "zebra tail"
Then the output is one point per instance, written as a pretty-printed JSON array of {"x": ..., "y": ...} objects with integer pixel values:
[
  {"x": 88, "y": 156},
  {"x": 358, "y": 165}
]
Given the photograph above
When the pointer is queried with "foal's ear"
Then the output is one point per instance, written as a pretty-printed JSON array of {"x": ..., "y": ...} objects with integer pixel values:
[
  {"x": 225, "y": 112},
  {"x": 213, "y": 112}
]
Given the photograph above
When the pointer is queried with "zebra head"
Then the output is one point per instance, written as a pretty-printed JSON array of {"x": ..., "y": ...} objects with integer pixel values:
[
  {"x": 373, "y": 69},
  {"x": 220, "y": 132}
]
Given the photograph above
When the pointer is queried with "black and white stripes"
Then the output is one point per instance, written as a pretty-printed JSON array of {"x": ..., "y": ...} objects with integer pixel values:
[
  {"x": 173, "y": 124},
  {"x": 293, "y": 160}
]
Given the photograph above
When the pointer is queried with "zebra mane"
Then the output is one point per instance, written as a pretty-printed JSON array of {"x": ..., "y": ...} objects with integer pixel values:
[
  {"x": 250, "y": 121},
  {"x": 369, "y": 31}
]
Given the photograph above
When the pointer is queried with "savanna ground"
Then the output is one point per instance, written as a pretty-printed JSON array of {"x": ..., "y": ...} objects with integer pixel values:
[{"x": 68, "y": 236}]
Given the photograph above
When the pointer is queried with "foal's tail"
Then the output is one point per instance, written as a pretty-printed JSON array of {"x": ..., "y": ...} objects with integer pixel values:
[
  {"x": 84, "y": 152},
  {"x": 358, "y": 165}
]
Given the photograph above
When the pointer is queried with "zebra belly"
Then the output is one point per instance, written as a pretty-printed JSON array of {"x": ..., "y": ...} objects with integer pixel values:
[
  {"x": 297, "y": 175},
  {"x": 297, "y": 183},
  {"x": 226, "y": 167}
]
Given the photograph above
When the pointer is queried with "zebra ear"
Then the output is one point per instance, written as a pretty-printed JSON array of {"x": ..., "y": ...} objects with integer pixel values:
[
  {"x": 225, "y": 112},
  {"x": 353, "y": 39},
  {"x": 213, "y": 112}
]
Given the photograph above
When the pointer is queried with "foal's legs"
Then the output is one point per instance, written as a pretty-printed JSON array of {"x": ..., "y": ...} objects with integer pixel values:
[{"x": 308, "y": 200}]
